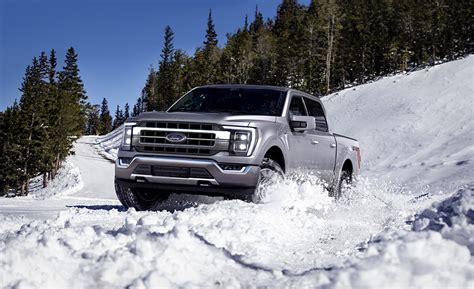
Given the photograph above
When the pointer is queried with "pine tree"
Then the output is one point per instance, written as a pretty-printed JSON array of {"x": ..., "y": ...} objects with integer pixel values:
[
  {"x": 34, "y": 124},
  {"x": 105, "y": 118},
  {"x": 118, "y": 119},
  {"x": 138, "y": 107},
  {"x": 93, "y": 119},
  {"x": 150, "y": 99},
  {"x": 10, "y": 148},
  {"x": 238, "y": 56},
  {"x": 166, "y": 76},
  {"x": 207, "y": 58},
  {"x": 211, "y": 35},
  {"x": 288, "y": 30},
  {"x": 126, "y": 112},
  {"x": 71, "y": 99},
  {"x": 263, "y": 47}
]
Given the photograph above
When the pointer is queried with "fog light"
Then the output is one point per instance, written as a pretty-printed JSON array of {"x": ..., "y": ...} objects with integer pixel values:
[{"x": 125, "y": 161}]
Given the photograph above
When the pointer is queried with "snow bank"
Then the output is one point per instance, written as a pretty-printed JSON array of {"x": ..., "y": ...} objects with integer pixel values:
[
  {"x": 108, "y": 144},
  {"x": 67, "y": 181}
]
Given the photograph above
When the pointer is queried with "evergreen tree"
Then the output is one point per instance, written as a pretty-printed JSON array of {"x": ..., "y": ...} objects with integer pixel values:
[
  {"x": 71, "y": 99},
  {"x": 288, "y": 30},
  {"x": 207, "y": 58},
  {"x": 126, "y": 112},
  {"x": 138, "y": 107},
  {"x": 167, "y": 73},
  {"x": 238, "y": 56},
  {"x": 93, "y": 119},
  {"x": 150, "y": 99},
  {"x": 105, "y": 118},
  {"x": 10, "y": 148},
  {"x": 211, "y": 35},
  {"x": 118, "y": 119}
]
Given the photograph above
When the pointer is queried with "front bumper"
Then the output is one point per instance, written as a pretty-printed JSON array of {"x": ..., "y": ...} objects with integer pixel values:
[{"x": 219, "y": 182}]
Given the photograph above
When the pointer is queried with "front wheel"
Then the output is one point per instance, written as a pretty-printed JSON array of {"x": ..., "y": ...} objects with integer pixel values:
[
  {"x": 138, "y": 198},
  {"x": 270, "y": 173}
]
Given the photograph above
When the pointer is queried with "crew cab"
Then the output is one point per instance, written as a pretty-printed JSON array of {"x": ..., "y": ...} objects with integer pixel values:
[{"x": 231, "y": 141}]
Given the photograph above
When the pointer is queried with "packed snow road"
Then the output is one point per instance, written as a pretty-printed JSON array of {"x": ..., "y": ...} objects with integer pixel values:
[
  {"x": 85, "y": 180},
  {"x": 76, "y": 235}
]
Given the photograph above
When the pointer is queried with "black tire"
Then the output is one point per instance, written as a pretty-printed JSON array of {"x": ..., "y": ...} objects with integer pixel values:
[
  {"x": 140, "y": 199},
  {"x": 344, "y": 184},
  {"x": 270, "y": 171}
]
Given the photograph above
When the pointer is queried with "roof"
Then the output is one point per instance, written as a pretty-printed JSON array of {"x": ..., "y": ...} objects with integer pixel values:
[{"x": 246, "y": 86}]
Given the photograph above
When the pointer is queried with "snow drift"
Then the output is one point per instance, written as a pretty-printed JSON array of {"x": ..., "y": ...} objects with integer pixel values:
[{"x": 386, "y": 233}]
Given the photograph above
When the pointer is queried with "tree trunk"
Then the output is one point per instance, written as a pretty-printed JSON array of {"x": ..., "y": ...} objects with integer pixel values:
[
  {"x": 45, "y": 180},
  {"x": 22, "y": 188},
  {"x": 330, "y": 36}
]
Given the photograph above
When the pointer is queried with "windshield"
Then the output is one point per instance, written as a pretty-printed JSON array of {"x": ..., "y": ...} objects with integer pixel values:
[{"x": 232, "y": 100}]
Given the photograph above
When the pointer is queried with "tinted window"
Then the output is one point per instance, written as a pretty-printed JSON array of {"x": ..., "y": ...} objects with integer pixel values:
[
  {"x": 315, "y": 109},
  {"x": 232, "y": 100},
  {"x": 297, "y": 106}
]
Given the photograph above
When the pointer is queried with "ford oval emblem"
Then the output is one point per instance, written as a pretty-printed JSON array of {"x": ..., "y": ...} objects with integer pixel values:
[{"x": 176, "y": 137}]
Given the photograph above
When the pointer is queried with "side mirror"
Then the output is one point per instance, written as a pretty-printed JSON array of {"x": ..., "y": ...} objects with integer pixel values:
[{"x": 302, "y": 123}]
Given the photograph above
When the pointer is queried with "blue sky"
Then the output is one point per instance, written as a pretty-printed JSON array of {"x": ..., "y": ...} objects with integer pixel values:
[{"x": 117, "y": 41}]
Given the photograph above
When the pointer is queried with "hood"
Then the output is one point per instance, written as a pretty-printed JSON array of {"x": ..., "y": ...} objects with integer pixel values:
[{"x": 217, "y": 118}]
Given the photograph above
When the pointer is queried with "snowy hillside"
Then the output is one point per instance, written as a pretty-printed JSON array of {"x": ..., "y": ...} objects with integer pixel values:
[
  {"x": 408, "y": 224},
  {"x": 415, "y": 129}
]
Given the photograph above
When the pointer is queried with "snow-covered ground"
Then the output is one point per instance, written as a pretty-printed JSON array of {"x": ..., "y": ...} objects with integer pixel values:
[{"x": 408, "y": 224}]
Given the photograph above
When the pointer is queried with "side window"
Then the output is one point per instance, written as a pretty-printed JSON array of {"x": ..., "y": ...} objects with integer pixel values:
[
  {"x": 297, "y": 106},
  {"x": 315, "y": 109}
]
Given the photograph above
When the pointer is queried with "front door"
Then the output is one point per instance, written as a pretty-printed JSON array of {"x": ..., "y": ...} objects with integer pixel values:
[{"x": 301, "y": 155}]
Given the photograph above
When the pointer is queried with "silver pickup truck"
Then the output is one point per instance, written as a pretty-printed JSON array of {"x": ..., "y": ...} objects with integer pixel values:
[{"x": 231, "y": 141}]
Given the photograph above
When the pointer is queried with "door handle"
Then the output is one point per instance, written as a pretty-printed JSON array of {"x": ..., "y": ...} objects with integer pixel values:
[
  {"x": 333, "y": 145},
  {"x": 315, "y": 142}
]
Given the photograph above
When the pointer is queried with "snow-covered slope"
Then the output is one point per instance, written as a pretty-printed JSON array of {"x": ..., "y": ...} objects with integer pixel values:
[
  {"x": 301, "y": 238},
  {"x": 415, "y": 129}
]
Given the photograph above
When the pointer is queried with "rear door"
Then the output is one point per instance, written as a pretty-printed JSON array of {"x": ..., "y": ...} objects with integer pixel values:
[{"x": 324, "y": 143}]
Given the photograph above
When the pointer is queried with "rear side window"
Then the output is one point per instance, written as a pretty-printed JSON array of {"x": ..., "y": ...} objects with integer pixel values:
[
  {"x": 315, "y": 109},
  {"x": 297, "y": 106}
]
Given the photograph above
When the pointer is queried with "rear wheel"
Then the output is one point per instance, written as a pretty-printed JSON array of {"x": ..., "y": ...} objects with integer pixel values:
[
  {"x": 270, "y": 173},
  {"x": 138, "y": 198},
  {"x": 344, "y": 185}
]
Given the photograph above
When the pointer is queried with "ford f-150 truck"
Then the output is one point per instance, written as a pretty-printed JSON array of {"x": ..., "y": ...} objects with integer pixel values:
[{"x": 231, "y": 141}]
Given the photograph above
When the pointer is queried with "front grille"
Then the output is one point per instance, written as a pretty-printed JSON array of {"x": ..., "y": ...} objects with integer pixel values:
[
  {"x": 200, "y": 138},
  {"x": 176, "y": 172},
  {"x": 195, "y": 139},
  {"x": 179, "y": 125}
]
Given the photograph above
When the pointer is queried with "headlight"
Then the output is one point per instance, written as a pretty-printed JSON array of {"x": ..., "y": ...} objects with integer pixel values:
[
  {"x": 242, "y": 140},
  {"x": 127, "y": 136}
]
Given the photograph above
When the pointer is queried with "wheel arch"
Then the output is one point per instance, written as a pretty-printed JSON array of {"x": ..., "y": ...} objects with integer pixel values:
[
  {"x": 347, "y": 167},
  {"x": 276, "y": 153}
]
